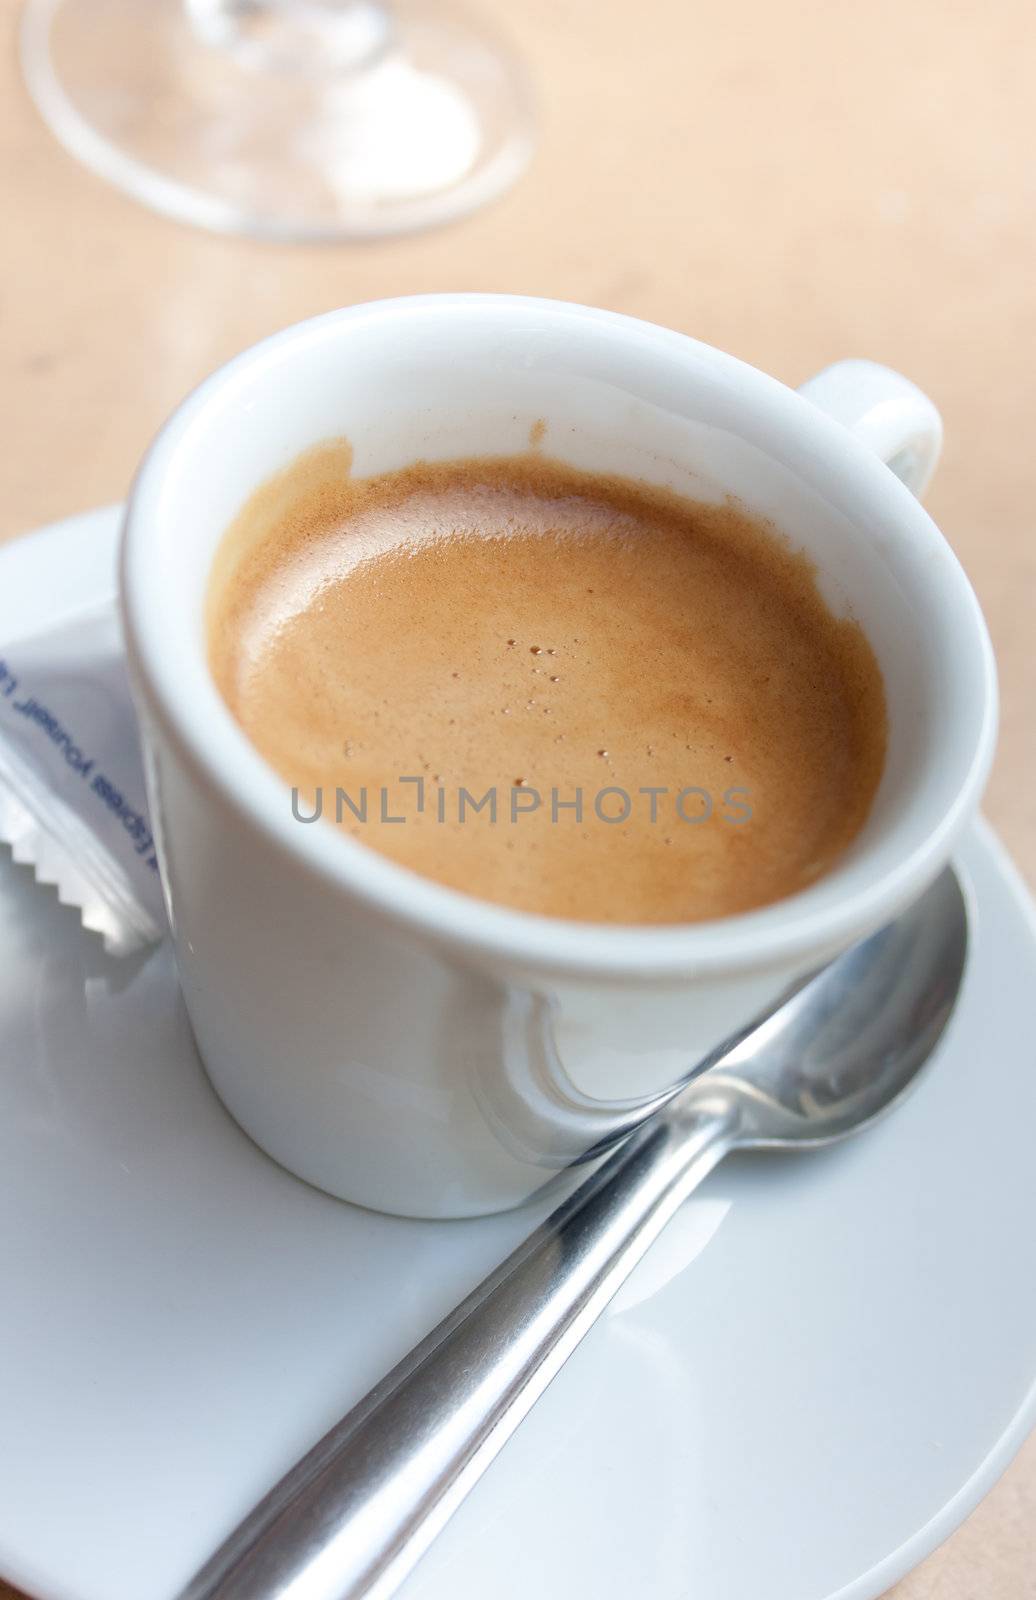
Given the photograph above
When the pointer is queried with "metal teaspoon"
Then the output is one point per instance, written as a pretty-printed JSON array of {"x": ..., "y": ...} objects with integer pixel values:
[{"x": 352, "y": 1518}]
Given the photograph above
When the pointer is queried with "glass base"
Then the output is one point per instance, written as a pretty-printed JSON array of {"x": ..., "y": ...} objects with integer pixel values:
[{"x": 367, "y": 122}]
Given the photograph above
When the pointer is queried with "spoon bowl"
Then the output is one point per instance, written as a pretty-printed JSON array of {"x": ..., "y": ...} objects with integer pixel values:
[{"x": 852, "y": 1041}]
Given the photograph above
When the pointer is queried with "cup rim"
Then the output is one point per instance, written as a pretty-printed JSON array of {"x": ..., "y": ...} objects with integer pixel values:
[{"x": 220, "y": 755}]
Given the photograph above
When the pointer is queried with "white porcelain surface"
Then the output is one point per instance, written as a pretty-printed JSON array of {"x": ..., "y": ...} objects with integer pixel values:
[
  {"x": 404, "y": 1045},
  {"x": 814, "y": 1376}
]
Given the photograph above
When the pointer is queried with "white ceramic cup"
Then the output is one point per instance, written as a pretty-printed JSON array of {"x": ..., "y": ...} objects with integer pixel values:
[{"x": 406, "y": 1046}]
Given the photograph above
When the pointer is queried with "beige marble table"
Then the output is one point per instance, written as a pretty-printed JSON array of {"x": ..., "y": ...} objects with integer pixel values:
[{"x": 793, "y": 182}]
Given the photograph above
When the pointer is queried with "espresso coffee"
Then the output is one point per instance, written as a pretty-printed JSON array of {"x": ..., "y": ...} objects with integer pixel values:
[{"x": 568, "y": 693}]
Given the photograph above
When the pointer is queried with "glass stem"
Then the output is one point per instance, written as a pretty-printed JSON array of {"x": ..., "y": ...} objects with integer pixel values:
[{"x": 311, "y": 37}]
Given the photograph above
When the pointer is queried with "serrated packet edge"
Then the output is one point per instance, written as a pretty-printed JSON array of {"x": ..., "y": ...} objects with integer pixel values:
[{"x": 45, "y": 833}]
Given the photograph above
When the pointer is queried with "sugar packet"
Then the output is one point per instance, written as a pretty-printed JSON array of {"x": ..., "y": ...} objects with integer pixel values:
[{"x": 72, "y": 796}]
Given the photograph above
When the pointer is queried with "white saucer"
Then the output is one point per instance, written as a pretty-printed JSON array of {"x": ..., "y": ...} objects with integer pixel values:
[{"x": 820, "y": 1369}]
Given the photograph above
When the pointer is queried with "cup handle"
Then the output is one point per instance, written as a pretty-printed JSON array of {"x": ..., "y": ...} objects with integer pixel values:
[{"x": 887, "y": 412}]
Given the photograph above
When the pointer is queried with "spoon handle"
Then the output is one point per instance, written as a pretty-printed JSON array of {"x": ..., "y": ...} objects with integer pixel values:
[{"x": 351, "y": 1519}]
